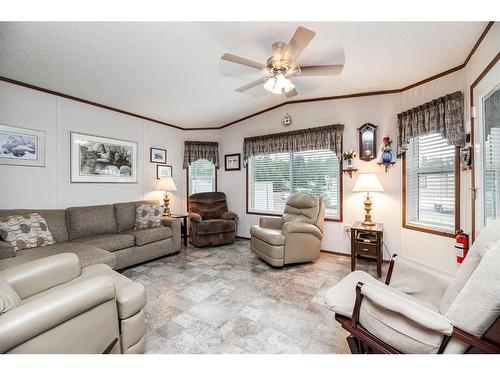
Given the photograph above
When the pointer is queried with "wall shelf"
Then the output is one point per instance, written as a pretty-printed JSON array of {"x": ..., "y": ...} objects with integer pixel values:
[
  {"x": 350, "y": 171},
  {"x": 387, "y": 165}
]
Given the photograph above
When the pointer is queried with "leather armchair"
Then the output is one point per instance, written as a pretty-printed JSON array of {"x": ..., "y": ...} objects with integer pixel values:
[
  {"x": 210, "y": 221},
  {"x": 423, "y": 310},
  {"x": 52, "y": 305},
  {"x": 293, "y": 238}
]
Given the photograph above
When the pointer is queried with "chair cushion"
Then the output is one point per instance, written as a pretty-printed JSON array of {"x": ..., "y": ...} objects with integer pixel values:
[
  {"x": 301, "y": 208},
  {"x": 208, "y": 205},
  {"x": 215, "y": 226},
  {"x": 145, "y": 236},
  {"x": 489, "y": 234},
  {"x": 272, "y": 236},
  {"x": 125, "y": 214},
  {"x": 90, "y": 221},
  {"x": 109, "y": 242},
  {"x": 56, "y": 221},
  {"x": 87, "y": 254},
  {"x": 8, "y": 297},
  {"x": 25, "y": 231},
  {"x": 148, "y": 216}
]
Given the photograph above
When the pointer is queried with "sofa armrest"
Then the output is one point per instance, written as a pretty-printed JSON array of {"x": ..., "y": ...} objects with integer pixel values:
[
  {"x": 174, "y": 224},
  {"x": 229, "y": 215},
  {"x": 302, "y": 228},
  {"x": 6, "y": 250},
  {"x": 194, "y": 217},
  {"x": 31, "y": 278},
  {"x": 44, "y": 313},
  {"x": 406, "y": 307},
  {"x": 419, "y": 280},
  {"x": 271, "y": 222}
]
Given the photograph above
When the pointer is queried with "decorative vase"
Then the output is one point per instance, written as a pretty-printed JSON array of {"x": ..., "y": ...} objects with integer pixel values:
[{"x": 386, "y": 157}]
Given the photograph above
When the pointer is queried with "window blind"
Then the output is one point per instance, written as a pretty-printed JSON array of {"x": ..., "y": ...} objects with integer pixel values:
[
  {"x": 430, "y": 183},
  {"x": 491, "y": 159},
  {"x": 201, "y": 177},
  {"x": 273, "y": 177}
]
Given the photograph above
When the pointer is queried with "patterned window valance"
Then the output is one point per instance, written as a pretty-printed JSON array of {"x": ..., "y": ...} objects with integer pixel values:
[
  {"x": 195, "y": 150},
  {"x": 443, "y": 116},
  {"x": 320, "y": 138}
]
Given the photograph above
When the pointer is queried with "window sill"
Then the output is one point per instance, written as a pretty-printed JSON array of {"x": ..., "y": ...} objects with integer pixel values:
[{"x": 435, "y": 232}]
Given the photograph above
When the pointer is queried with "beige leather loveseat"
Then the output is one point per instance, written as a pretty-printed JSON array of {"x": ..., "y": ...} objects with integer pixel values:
[
  {"x": 53, "y": 305},
  {"x": 293, "y": 238}
]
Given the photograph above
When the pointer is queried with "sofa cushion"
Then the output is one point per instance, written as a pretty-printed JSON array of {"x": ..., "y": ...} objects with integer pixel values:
[
  {"x": 148, "y": 216},
  {"x": 145, "y": 236},
  {"x": 6, "y": 250},
  {"x": 25, "y": 231},
  {"x": 271, "y": 236},
  {"x": 108, "y": 242},
  {"x": 125, "y": 214},
  {"x": 87, "y": 254},
  {"x": 91, "y": 221},
  {"x": 214, "y": 226},
  {"x": 8, "y": 297},
  {"x": 208, "y": 205},
  {"x": 56, "y": 221}
]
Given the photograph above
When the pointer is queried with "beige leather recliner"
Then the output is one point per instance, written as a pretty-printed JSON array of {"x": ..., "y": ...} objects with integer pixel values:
[
  {"x": 53, "y": 305},
  {"x": 293, "y": 238}
]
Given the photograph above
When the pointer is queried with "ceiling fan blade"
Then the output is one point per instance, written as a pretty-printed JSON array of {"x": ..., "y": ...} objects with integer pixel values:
[
  {"x": 242, "y": 61},
  {"x": 250, "y": 85},
  {"x": 321, "y": 70},
  {"x": 291, "y": 93},
  {"x": 300, "y": 41}
]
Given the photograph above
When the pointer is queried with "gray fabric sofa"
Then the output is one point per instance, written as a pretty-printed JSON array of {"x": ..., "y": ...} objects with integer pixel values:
[{"x": 97, "y": 234}]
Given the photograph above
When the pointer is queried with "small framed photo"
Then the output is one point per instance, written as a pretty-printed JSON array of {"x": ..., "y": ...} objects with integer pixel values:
[
  {"x": 163, "y": 171},
  {"x": 232, "y": 162},
  {"x": 20, "y": 146},
  {"x": 158, "y": 155}
]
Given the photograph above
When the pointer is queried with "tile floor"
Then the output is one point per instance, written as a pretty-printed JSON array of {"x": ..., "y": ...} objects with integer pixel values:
[{"x": 226, "y": 300}]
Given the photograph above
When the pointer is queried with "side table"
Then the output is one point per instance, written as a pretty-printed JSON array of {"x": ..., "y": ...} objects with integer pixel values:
[
  {"x": 366, "y": 242},
  {"x": 184, "y": 231}
]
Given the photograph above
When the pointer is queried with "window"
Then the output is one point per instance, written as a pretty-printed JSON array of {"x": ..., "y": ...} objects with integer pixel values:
[
  {"x": 272, "y": 178},
  {"x": 431, "y": 190},
  {"x": 202, "y": 177},
  {"x": 491, "y": 157}
]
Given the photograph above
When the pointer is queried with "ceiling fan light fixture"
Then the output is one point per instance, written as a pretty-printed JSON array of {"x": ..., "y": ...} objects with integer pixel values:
[{"x": 279, "y": 84}]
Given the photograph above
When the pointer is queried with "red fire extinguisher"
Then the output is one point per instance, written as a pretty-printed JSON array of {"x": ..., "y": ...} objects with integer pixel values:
[{"x": 462, "y": 245}]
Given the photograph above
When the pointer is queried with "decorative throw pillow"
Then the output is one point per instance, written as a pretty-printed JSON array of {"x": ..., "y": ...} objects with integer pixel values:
[
  {"x": 25, "y": 231},
  {"x": 148, "y": 216}
]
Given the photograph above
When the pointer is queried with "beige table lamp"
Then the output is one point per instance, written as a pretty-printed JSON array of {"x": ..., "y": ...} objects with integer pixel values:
[
  {"x": 367, "y": 182},
  {"x": 166, "y": 184}
]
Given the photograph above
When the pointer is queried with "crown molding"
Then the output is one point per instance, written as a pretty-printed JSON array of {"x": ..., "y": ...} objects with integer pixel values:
[{"x": 298, "y": 101}]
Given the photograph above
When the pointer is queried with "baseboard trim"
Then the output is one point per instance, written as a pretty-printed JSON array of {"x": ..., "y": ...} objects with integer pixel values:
[
  {"x": 335, "y": 253},
  {"x": 243, "y": 238}
]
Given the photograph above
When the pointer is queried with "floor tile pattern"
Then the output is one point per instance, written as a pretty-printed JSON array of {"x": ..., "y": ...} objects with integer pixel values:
[{"x": 226, "y": 300}]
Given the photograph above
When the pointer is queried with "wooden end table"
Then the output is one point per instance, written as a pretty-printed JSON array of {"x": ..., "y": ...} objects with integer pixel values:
[
  {"x": 184, "y": 231},
  {"x": 366, "y": 242}
]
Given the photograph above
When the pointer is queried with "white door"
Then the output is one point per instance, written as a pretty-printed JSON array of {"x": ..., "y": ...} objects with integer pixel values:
[{"x": 487, "y": 148}]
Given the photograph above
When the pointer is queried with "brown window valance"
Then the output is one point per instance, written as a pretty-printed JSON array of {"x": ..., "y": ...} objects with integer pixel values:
[
  {"x": 319, "y": 138},
  {"x": 196, "y": 150},
  {"x": 443, "y": 116}
]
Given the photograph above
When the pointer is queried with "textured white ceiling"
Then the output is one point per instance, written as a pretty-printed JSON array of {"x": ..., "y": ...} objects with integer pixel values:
[{"x": 172, "y": 71}]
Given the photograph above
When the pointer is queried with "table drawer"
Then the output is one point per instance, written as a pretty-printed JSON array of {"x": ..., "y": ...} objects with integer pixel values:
[{"x": 366, "y": 249}]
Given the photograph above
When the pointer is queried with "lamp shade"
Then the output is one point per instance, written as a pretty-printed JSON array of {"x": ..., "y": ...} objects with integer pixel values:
[
  {"x": 166, "y": 184},
  {"x": 367, "y": 182}
]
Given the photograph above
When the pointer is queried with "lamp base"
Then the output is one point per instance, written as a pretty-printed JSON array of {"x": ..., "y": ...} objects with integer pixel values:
[
  {"x": 166, "y": 208},
  {"x": 368, "y": 207}
]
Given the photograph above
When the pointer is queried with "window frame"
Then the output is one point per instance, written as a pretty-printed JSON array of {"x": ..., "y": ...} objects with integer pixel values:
[
  {"x": 187, "y": 184},
  {"x": 421, "y": 228},
  {"x": 341, "y": 195}
]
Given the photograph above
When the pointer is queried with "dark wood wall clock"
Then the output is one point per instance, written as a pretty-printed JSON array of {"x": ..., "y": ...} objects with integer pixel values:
[{"x": 368, "y": 142}]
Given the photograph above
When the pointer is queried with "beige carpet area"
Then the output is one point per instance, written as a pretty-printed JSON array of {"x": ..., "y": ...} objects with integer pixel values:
[{"x": 226, "y": 300}]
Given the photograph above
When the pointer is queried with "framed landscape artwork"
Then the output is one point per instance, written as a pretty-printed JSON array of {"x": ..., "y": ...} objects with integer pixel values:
[
  {"x": 101, "y": 159},
  {"x": 157, "y": 155},
  {"x": 163, "y": 171},
  {"x": 232, "y": 162},
  {"x": 19, "y": 146}
]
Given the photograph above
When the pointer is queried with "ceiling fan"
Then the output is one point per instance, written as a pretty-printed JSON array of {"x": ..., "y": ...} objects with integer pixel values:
[{"x": 281, "y": 66}]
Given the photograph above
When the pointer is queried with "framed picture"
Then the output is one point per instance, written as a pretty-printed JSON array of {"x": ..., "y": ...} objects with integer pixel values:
[
  {"x": 232, "y": 162},
  {"x": 163, "y": 171},
  {"x": 157, "y": 155},
  {"x": 101, "y": 159},
  {"x": 19, "y": 146}
]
